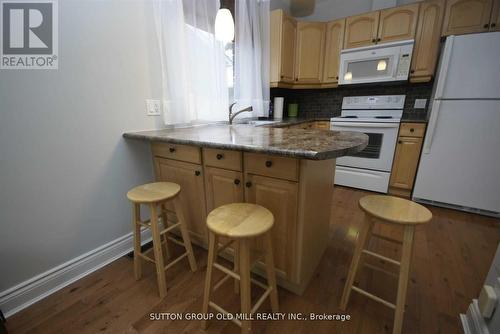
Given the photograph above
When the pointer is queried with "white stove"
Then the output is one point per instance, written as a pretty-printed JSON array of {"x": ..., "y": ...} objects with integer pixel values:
[{"x": 379, "y": 118}]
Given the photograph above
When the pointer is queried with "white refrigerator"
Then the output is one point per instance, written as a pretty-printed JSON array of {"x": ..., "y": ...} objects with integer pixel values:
[{"x": 460, "y": 162}]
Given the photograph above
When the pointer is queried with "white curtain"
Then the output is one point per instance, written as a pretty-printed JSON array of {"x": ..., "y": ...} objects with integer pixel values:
[
  {"x": 252, "y": 55},
  {"x": 193, "y": 68}
]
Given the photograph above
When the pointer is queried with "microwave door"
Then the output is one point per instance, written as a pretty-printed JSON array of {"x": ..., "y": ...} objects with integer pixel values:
[{"x": 370, "y": 69}]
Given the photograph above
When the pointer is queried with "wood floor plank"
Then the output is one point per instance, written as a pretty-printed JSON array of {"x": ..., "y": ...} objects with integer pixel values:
[{"x": 450, "y": 260}]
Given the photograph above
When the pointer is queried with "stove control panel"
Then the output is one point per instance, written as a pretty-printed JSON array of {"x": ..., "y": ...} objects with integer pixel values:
[{"x": 374, "y": 102}]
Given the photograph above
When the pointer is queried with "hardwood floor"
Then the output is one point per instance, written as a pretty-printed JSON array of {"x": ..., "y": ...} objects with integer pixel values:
[{"x": 451, "y": 257}]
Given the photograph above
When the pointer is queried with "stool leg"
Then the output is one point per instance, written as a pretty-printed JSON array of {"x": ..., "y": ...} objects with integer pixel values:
[
  {"x": 165, "y": 225},
  {"x": 160, "y": 267},
  {"x": 185, "y": 234},
  {"x": 236, "y": 267},
  {"x": 362, "y": 240},
  {"x": 403, "y": 278},
  {"x": 136, "y": 217},
  {"x": 245, "y": 288},
  {"x": 212, "y": 243},
  {"x": 271, "y": 276}
]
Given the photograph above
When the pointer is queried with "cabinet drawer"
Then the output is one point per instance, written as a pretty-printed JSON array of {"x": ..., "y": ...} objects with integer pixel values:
[
  {"x": 222, "y": 158},
  {"x": 412, "y": 130},
  {"x": 267, "y": 165},
  {"x": 177, "y": 152}
]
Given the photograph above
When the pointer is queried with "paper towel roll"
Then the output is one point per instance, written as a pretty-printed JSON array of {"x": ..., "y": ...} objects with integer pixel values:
[{"x": 278, "y": 107}]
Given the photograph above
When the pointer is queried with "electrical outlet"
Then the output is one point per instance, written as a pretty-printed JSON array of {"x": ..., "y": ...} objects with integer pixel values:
[
  {"x": 420, "y": 103},
  {"x": 153, "y": 107}
]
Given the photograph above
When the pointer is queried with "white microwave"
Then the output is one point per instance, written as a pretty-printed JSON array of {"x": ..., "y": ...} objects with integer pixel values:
[{"x": 378, "y": 63}]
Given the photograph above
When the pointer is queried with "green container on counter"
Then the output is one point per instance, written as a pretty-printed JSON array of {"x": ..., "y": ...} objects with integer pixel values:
[{"x": 293, "y": 109}]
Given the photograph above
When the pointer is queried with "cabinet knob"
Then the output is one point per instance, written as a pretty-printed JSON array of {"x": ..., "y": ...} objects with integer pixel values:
[
  {"x": 296, "y": 79},
  {"x": 269, "y": 163},
  {"x": 236, "y": 181},
  {"x": 219, "y": 156},
  {"x": 172, "y": 149},
  {"x": 248, "y": 184},
  {"x": 412, "y": 71},
  {"x": 378, "y": 39},
  {"x": 412, "y": 130},
  {"x": 197, "y": 173},
  {"x": 337, "y": 77},
  {"x": 374, "y": 40},
  {"x": 486, "y": 25},
  {"x": 282, "y": 76},
  {"x": 400, "y": 142},
  {"x": 493, "y": 25}
]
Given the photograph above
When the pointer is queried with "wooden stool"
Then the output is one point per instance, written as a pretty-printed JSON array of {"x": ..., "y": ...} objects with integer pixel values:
[
  {"x": 393, "y": 210},
  {"x": 154, "y": 194},
  {"x": 240, "y": 222}
]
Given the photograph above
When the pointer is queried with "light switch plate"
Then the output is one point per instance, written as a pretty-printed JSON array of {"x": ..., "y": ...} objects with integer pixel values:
[
  {"x": 420, "y": 103},
  {"x": 153, "y": 107}
]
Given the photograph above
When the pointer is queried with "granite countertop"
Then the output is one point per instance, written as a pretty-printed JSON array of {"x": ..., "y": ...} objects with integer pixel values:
[{"x": 271, "y": 139}]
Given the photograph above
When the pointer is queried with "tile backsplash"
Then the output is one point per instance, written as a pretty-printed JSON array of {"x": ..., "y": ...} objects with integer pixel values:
[{"x": 328, "y": 102}]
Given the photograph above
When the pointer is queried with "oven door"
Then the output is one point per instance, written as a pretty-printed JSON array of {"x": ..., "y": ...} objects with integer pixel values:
[{"x": 379, "y": 152}]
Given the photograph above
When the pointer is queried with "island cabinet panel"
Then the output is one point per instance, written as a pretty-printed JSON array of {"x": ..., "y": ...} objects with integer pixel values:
[
  {"x": 223, "y": 159},
  {"x": 283, "y": 38},
  {"x": 177, "y": 152},
  {"x": 223, "y": 187},
  {"x": 334, "y": 40},
  {"x": 280, "y": 197},
  {"x": 310, "y": 52},
  {"x": 466, "y": 16},
  {"x": 361, "y": 30},
  {"x": 398, "y": 23},
  {"x": 426, "y": 50},
  {"x": 273, "y": 166},
  {"x": 190, "y": 177}
]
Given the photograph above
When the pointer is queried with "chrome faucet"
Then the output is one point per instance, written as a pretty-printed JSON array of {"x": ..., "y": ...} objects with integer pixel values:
[{"x": 232, "y": 116}]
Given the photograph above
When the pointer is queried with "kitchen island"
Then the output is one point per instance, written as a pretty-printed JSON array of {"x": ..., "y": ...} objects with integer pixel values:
[{"x": 288, "y": 170}]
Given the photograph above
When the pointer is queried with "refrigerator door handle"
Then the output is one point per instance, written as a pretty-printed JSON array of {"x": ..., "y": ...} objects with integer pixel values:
[
  {"x": 443, "y": 67},
  {"x": 431, "y": 127}
]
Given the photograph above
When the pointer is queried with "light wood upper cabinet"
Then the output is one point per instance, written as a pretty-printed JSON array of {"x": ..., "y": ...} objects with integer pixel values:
[
  {"x": 190, "y": 177},
  {"x": 334, "y": 41},
  {"x": 426, "y": 49},
  {"x": 282, "y": 47},
  {"x": 361, "y": 30},
  {"x": 310, "y": 52},
  {"x": 398, "y": 23},
  {"x": 466, "y": 16},
  {"x": 495, "y": 16},
  {"x": 280, "y": 197}
]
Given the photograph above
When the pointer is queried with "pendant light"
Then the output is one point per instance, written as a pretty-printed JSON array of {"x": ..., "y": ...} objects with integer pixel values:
[{"x": 224, "y": 25}]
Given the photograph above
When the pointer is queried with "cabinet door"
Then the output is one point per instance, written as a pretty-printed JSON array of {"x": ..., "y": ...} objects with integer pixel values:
[
  {"x": 280, "y": 197},
  {"x": 397, "y": 23},
  {"x": 405, "y": 162},
  {"x": 288, "y": 46},
  {"x": 495, "y": 16},
  {"x": 223, "y": 187},
  {"x": 466, "y": 16},
  {"x": 361, "y": 30},
  {"x": 334, "y": 40},
  {"x": 426, "y": 50},
  {"x": 310, "y": 52},
  {"x": 190, "y": 177}
]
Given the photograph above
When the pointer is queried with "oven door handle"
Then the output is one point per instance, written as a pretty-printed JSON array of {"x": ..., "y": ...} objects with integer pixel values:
[{"x": 366, "y": 125}]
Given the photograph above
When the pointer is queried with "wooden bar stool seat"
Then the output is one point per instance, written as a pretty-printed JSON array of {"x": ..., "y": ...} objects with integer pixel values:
[
  {"x": 390, "y": 210},
  {"x": 240, "y": 222},
  {"x": 154, "y": 195}
]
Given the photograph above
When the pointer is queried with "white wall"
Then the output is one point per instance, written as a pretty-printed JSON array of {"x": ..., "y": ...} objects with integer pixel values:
[
  {"x": 64, "y": 167},
  {"x": 327, "y": 10}
]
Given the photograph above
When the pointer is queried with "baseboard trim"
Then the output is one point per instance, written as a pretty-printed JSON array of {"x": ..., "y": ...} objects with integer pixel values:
[{"x": 34, "y": 289}]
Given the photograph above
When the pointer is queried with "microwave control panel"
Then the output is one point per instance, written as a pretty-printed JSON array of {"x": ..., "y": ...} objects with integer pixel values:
[{"x": 403, "y": 66}]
